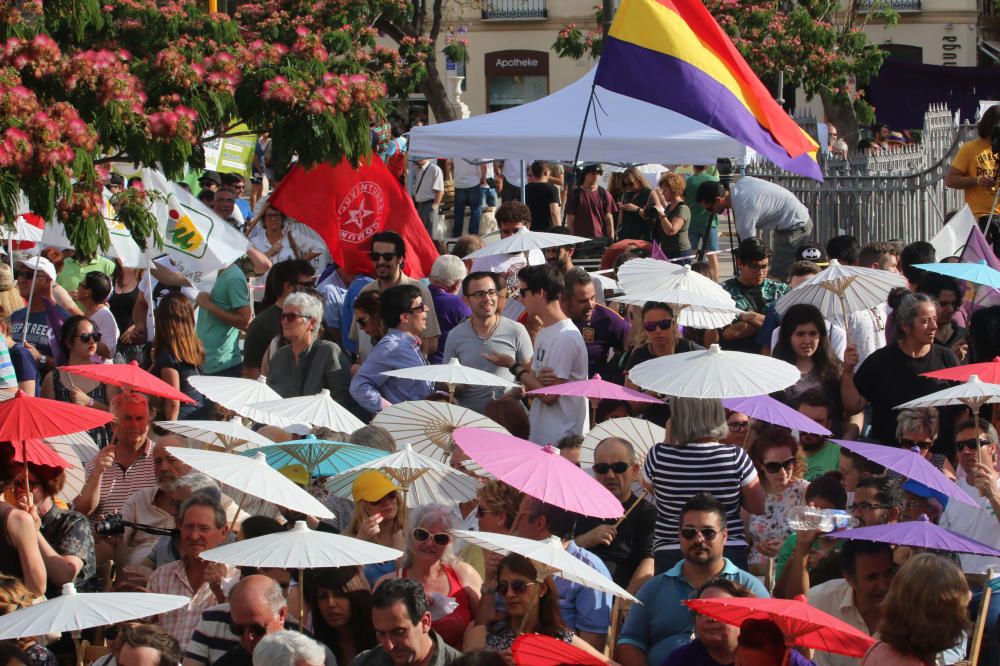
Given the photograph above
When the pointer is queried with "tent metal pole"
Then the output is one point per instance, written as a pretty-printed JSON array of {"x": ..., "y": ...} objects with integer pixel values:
[{"x": 579, "y": 143}]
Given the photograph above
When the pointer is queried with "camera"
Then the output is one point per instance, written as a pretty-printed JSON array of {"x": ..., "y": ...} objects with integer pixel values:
[
  {"x": 726, "y": 167},
  {"x": 115, "y": 524}
]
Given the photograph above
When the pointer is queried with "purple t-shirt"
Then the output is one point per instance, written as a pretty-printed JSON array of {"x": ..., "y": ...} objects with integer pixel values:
[
  {"x": 451, "y": 311},
  {"x": 606, "y": 330}
]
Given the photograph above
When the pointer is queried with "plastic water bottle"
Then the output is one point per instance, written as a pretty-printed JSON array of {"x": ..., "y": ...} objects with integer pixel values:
[{"x": 825, "y": 520}]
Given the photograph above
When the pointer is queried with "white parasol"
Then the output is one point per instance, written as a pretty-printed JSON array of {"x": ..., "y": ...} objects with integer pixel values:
[
  {"x": 692, "y": 309},
  {"x": 549, "y": 556},
  {"x": 235, "y": 394},
  {"x": 77, "y": 449},
  {"x": 525, "y": 241},
  {"x": 230, "y": 435},
  {"x": 319, "y": 410},
  {"x": 301, "y": 548},
  {"x": 642, "y": 435},
  {"x": 423, "y": 480},
  {"x": 713, "y": 373},
  {"x": 452, "y": 373},
  {"x": 426, "y": 425},
  {"x": 74, "y": 611},
  {"x": 649, "y": 276},
  {"x": 251, "y": 476}
]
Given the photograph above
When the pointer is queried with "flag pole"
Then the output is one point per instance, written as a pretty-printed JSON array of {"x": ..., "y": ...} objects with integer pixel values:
[{"x": 579, "y": 143}]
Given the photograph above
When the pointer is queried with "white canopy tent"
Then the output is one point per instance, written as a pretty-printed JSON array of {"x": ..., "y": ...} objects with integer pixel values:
[{"x": 619, "y": 129}]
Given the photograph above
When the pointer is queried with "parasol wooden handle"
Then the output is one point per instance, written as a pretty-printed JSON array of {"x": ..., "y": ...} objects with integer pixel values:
[
  {"x": 980, "y": 626},
  {"x": 638, "y": 499}
]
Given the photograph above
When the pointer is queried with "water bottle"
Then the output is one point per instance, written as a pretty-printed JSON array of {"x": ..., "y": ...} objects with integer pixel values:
[{"x": 825, "y": 520}]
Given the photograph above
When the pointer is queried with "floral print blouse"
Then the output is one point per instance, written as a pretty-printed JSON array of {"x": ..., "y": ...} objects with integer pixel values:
[{"x": 773, "y": 523}]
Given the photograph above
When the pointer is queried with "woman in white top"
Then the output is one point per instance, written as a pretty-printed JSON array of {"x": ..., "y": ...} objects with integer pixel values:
[
  {"x": 92, "y": 293},
  {"x": 273, "y": 236}
]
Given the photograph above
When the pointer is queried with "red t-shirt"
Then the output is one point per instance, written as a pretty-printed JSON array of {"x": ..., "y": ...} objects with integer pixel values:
[{"x": 589, "y": 208}]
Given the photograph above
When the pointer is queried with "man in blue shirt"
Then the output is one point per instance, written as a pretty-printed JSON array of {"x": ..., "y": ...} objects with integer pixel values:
[
  {"x": 404, "y": 312},
  {"x": 662, "y": 623},
  {"x": 585, "y": 611}
]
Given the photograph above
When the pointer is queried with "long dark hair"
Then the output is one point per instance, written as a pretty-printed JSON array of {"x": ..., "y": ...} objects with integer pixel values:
[
  {"x": 550, "y": 620},
  {"x": 826, "y": 364},
  {"x": 68, "y": 332},
  {"x": 337, "y": 580}
]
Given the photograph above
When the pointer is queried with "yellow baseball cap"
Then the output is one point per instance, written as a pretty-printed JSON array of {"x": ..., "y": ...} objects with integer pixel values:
[
  {"x": 371, "y": 486},
  {"x": 296, "y": 473}
]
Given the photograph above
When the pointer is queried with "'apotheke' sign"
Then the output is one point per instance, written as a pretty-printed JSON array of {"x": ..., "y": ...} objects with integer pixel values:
[{"x": 517, "y": 63}]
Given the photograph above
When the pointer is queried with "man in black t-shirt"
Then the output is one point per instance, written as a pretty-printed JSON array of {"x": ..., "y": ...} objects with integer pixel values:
[
  {"x": 542, "y": 197},
  {"x": 627, "y": 550}
]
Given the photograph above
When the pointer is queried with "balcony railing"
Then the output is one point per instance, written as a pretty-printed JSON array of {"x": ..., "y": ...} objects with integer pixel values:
[
  {"x": 895, "y": 5},
  {"x": 514, "y": 10}
]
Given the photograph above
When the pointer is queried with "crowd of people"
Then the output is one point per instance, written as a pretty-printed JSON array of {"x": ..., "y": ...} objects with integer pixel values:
[{"x": 707, "y": 509}]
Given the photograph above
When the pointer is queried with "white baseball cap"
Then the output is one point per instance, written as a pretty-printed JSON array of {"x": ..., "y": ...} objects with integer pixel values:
[{"x": 40, "y": 264}]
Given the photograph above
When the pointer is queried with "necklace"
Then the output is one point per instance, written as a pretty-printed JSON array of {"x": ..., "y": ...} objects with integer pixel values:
[{"x": 490, "y": 332}]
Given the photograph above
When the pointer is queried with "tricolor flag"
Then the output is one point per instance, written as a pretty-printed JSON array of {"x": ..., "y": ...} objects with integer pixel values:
[{"x": 672, "y": 53}]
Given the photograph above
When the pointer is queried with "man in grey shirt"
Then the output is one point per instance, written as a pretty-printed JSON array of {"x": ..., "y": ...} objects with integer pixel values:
[{"x": 485, "y": 332}]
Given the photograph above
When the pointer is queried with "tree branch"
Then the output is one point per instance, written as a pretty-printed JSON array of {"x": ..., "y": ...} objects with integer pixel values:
[{"x": 436, "y": 21}]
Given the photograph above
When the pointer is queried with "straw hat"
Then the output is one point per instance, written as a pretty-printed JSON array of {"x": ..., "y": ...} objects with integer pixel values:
[{"x": 6, "y": 278}]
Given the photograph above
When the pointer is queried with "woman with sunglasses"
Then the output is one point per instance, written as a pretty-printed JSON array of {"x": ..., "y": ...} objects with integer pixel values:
[
  {"x": 429, "y": 560},
  {"x": 379, "y": 517},
  {"x": 499, "y": 504},
  {"x": 780, "y": 465},
  {"x": 340, "y": 605},
  {"x": 661, "y": 332},
  {"x": 78, "y": 339},
  {"x": 368, "y": 319},
  {"x": 532, "y": 608},
  {"x": 178, "y": 354},
  {"x": 92, "y": 294},
  {"x": 918, "y": 428}
]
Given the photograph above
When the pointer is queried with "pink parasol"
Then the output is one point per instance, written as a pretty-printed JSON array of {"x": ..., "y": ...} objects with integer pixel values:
[
  {"x": 766, "y": 408},
  {"x": 539, "y": 472},
  {"x": 595, "y": 388}
]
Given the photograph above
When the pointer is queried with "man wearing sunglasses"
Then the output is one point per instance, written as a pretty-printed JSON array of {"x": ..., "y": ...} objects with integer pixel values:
[
  {"x": 39, "y": 333},
  {"x": 388, "y": 255},
  {"x": 661, "y": 623},
  {"x": 753, "y": 292},
  {"x": 406, "y": 314},
  {"x": 626, "y": 549}
]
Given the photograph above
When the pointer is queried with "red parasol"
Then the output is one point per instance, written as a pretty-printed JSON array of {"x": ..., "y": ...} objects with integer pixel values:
[
  {"x": 37, "y": 452},
  {"x": 988, "y": 372},
  {"x": 540, "y": 650},
  {"x": 802, "y": 624},
  {"x": 24, "y": 418},
  {"x": 128, "y": 375}
]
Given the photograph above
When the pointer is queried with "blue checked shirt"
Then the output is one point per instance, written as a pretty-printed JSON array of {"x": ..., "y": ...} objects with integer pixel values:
[{"x": 396, "y": 350}]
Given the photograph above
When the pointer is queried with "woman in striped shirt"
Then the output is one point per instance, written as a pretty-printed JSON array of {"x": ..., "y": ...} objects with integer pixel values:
[{"x": 696, "y": 463}]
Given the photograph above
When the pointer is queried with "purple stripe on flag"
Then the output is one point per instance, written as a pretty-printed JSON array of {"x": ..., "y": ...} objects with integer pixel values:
[{"x": 663, "y": 80}]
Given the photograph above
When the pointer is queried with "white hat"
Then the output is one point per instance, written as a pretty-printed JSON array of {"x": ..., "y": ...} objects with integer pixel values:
[{"x": 40, "y": 264}]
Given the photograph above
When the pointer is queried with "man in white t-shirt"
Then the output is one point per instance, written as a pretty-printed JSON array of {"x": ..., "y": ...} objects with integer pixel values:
[{"x": 560, "y": 356}]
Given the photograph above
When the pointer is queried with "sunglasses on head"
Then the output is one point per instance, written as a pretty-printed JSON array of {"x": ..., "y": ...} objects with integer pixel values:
[
  {"x": 971, "y": 443},
  {"x": 440, "y": 538},
  {"x": 517, "y": 586},
  {"x": 775, "y": 467},
  {"x": 707, "y": 533},
  {"x": 87, "y": 337},
  {"x": 384, "y": 256},
  {"x": 662, "y": 324},
  {"x": 256, "y": 630},
  {"x": 616, "y": 467}
]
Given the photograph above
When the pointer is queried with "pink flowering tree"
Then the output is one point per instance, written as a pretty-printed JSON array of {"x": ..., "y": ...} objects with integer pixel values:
[{"x": 88, "y": 82}]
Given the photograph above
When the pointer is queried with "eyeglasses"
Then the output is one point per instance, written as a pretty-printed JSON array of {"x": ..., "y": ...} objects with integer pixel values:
[
  {"x": 707, "y": 533},
  {"x": 517, "y": 586},
  {"x": 420, "y": 307},
  {"x": 483, "y": 293},
  {"x": 738, "y": 425},
  {"x": 87, "y": 337},
  {"x": 292, "y": 316},
  {"x": 775, "y": 467},
  {"x": 362, "y": 321},
  {"x": 256, "y": 630},
  {"x": 384, "y": 256},
  {"x": 24, "y": 275},
  {"x": 910, "y": 443},
  {"x": 306, "y": 283},
  {"x": 867, "y": 506},
  {"x": 480, "y": 511},
  {"x": 440, "y": 538},
  {"x": 663, "y": 325},
  {"x": 971, "y": 443},
  {"x": 758, "y": 268},
  {"x": 616, "y": 467}
]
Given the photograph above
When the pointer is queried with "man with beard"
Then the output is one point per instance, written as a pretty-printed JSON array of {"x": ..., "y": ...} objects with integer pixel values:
[
  {"x": 661, "y": 623},
  {"x": 152, "y": 506},
  {"x": 602, "y": 329},
  {"x": 202, "y": 523},
  {"x": 626, "y": 549},
  {"x": 822, "y": 455},
  {"x": 479, "y": 341},
  {"x": 560, "y": 256},
  {"x": 857, "y": 597}
]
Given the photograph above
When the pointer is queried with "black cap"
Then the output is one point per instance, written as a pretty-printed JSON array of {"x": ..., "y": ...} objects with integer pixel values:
[
  {"x": 115, "y": 179},
  {"x": 212, "y": 176},
  {"x": 812, "y": 251}
]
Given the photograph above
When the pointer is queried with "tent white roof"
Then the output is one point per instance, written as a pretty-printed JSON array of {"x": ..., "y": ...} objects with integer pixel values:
[{"x": 619, "y": 129}]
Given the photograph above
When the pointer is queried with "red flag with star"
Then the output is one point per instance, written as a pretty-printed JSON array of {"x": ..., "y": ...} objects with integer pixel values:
[{"x": 347, "y": 206}]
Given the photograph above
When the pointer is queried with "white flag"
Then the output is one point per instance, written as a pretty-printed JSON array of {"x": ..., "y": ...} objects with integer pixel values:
[
  {"x": 199, "y": 242},
  {"x": 953, "y": 236},
  {"x": 123, "y": 246}
]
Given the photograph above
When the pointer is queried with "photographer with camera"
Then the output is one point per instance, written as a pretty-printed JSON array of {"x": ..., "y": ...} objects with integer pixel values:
[{"x": 975, "y": 171}]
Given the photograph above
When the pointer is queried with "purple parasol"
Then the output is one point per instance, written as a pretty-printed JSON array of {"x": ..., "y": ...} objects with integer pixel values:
[
  {"x": 766, "y": 408},
  {"x": 920, "y": 533},
  {"x": 595, "y": 388},
  {"x": 910, "y": 464}
]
